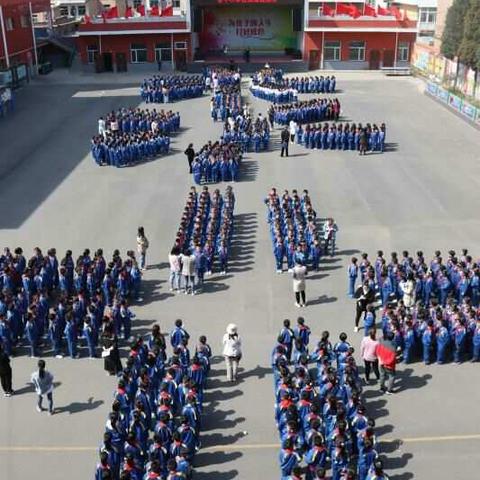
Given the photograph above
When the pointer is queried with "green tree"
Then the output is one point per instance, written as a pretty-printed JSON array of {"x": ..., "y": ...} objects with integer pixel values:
[
  {"x": 454, "y": 27},
  {"x": 469, "y": 49}
]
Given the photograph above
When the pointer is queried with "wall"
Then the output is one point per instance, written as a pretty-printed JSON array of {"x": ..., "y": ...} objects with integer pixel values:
[
  {"x": 374, "y": 41},
  {"x": 442, "y": 9},
  {"x": 121, "y": 43}
]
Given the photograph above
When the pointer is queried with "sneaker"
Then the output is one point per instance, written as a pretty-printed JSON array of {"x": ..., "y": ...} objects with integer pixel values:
[
  {"x": 290, "y": 270},
  {"x": 389, "y": 392},
  {"x": 355, "y": 329},
  {"x": 39, "y": 410},
  {"x": 297, "y": 304},
  {"x": 51, "y": 412},
  {"x": 193, "y": 293},
  {"x": 171, "y": 289},
  {"x": 59, "y": 356},
  {"x": 303, "y": 304},
  {"x": 279, "y": 271}
]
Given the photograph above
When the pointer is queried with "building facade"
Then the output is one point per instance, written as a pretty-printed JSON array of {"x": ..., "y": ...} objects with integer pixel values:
[
  {"x": 17, "y": 40},
  {"x": 134, "y": 41},
  {"x": 335, "y": 39}
]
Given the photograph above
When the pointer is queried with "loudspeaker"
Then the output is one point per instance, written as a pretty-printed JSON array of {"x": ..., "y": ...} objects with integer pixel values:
[
  {"x": 297, "y": 19},
  {"x": 197, "y": 20}
]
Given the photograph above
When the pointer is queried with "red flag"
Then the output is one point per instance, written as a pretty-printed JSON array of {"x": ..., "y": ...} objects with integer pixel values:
[
  {"x": 354, "y": 11},
  {"x": 326, "y": 10},
  {"x": 141, "y": 10},
  {"x": 129, "y": 12},
  {"x": 343, "y": 9},
  {"x": 396, "y": 12},
  {"x": 369, "y": 11},
  {"x": 384, "y": 11},
  {"x": 155, "y": 11},
  {"x": 87, "y": 19},
  {"x": 167, "y": 8},
  {"x": 112, "y": 13}
]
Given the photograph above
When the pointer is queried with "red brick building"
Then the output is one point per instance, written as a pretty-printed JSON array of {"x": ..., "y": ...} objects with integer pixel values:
[
  {"x": 340, "y": 41},
  {"x": 16, "y": 33}
]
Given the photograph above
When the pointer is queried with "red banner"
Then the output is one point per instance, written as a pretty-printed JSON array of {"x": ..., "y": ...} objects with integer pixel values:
[
  {"x": 343, "y": 9},
  {"x": 384, "y": 11},
  {"x": 369, "y": 11},
  {"x": 326, "y": 10},
  {"x": 246, "y": 1}
]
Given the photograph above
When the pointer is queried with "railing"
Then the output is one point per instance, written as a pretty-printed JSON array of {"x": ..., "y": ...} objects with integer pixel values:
[{"x": 140, "y": 19}]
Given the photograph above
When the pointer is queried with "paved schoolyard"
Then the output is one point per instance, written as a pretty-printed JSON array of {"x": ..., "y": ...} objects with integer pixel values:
[{"x": 422, "y": 194}]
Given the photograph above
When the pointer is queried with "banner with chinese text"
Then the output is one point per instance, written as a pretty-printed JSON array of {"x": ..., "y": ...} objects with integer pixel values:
[{"x": 255, "y": 27}]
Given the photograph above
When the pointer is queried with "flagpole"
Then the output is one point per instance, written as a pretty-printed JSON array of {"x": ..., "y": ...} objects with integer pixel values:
[
  {"x": 322, "y": 56},
  {"x": 336, "y": 3}
]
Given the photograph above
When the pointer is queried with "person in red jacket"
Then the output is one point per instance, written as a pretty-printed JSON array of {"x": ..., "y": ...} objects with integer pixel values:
[{"x": 387, "y": 356}]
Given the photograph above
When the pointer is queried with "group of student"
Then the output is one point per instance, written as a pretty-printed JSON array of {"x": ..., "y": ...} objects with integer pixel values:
[
  {"x": 337, "y": 136},
  {"x": 293, "y": 229},
  {"x": 247, "y": 132},
  {"x": 437, "y": 303},
  {"x": 308, "y": 111},
  {"x": 153, "y": 428},
  {"x": 46, "y": 301},
  {"x": 204, "y": 235},
  {"x": 217, "y": 77},
  {"x": 129, "y": 136},
  {"x": 320, "y": 414},
  {"x": 316, "y": 84},
  {"x": 275, "y": 93},
  {"x": 217, "y": 162},
  {"x": 225, "y": 102},
  {"x": 170, "y": 88}
]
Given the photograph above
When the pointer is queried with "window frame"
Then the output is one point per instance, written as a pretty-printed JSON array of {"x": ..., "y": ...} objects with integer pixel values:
[
  {"x": 402, "y": 48},
  {"x": 135, "y": 50},
  {"x": 92, "y": 50},
  {"x": 430, "y": 15},
  {"x": 335, "y": 49},
  {"x": 9, "y": 24},
  {"x": 362, "y": 49},
  {"x": 180, "y": 45},
  {"x": 160, "y": 48}
]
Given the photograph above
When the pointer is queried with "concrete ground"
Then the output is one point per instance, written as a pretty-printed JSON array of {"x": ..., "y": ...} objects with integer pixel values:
[{"x": 421, "y": 194}]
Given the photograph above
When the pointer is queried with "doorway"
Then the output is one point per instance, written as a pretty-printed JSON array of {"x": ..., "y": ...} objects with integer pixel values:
[
  {"x": 107, "y": 62},
  {"x": 374, "y": 63},
  {"x": 121, "y": 62},
  {"x": 313, "y": 59},
  {"x": 388, "y": 58}
]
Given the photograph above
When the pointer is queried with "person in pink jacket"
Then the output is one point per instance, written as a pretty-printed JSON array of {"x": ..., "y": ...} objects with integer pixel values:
[{"x": 368, "y": 351}]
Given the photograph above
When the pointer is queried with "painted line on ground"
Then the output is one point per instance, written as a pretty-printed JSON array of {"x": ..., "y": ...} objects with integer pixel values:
[{"x": 253, "y": 446}]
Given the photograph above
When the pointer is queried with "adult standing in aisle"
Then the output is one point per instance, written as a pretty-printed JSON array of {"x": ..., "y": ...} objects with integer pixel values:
[
  {"x": 142, "y": 247},
  {"x": 5, "y": 373},
  {"x": 232, "y": 351},
  {"x": 299, "y": 274},
  {"x": 284, "y": 138},
  {"x": 190, "y": 153},
  {"x": 369, "y": 355}
]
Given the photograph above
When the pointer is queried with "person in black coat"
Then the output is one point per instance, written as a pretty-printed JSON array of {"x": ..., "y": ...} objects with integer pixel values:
[
  {"x": 5, "y": 373},
  {"x": 190, "y": 153},
  {"x": 365, "y": 296},
  {"x": 285, "y": 138}
]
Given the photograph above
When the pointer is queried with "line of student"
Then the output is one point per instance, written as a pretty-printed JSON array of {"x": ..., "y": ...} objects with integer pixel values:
[
  {"x": 153, "y": 428},
  {"x": 170, "y": 88},
  {"x": 308, "y": 111},
  {"x": 247, "y": 132},
  {"x": 203, "y": 237},
  {"x": 59, "y": 302},
  {"x": 320, "y": 414}
]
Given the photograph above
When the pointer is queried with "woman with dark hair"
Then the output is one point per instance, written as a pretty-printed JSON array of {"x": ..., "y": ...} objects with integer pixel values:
[{"x": 142, "y": 246}]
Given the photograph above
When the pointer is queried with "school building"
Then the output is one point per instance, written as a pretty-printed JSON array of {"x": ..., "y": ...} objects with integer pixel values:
[{"x": 295, "y": 34}]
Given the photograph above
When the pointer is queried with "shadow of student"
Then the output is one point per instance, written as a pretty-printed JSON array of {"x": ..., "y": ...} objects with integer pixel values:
[
  {"x": 77, "y": 407},
  {"x": 405, "y": 380},
  {"x": 321, "y": 299},
  {"x": 216, "y": 475},
  {"x": 29, "y": 388},
  {"x": 218, "y": 439},
  {"x": 203, "y": 458}
]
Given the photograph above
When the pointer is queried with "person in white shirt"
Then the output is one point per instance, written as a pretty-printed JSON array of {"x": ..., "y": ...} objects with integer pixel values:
[
  {"x": 232, "y": 351},
  {"x": 154, "y": 126},
  {"x": 142, "y": 247},
  {"x": 101, "y": 126},
  {"x": 175, "y": 269},
  {"x": 292, "y": 129},
  {"x": 188, "y": 272}
]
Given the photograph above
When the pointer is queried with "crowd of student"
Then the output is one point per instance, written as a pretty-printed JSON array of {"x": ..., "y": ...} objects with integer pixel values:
[
  {"x": 436, "y": 315},
  {"x": 294, "y": 232},
  {"x": 320, "y": 414},
  {"x": 226, "y": 102},
  {"x": 129, "y": 136},
  {"x": 217, "y": 77},
  {"x": 46, "y": 302},
  {"x": 153, "y": 429},
  {"x": 274, "y": 93},
  {"x": 217, "y": 162},
  {"x": 309, "y": 111},
  {"x": 247, "y": 132},
  {"x": 338, "y": 136},
  {"x": 170, "y": 88},
  {"x": 203, "y": 237}
]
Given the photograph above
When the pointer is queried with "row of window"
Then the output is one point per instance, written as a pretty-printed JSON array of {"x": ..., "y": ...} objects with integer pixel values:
[
  {"x": 10, "y": 22},
  {"x": 138, "y": 52},
  {"x": 356, "y": 51},
  {"x": 73, "y": 11},
  {"x": 428, "y": 15}
]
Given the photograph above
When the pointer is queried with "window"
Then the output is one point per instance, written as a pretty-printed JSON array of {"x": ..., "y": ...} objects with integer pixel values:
[
  {"x": 139, "y": 53},
  {"x": 64, "y": 11},
  {"x": 81, "y": 9},
  {"x": 73, "y": 11},
  {"x": 428, "y": 15},
  {"x": 10, "y": 24},
  {"x": 176, "y": 3},
  {"x": 136, "y": 3},
  {"x": 24, "y": 21},
  {"x": 331, "y": 50},
  {"x": 163, "y": 52},
  {"x": 357, "y": 51},
  {"x": 92, "y": 52},
  {"x": 180, "y": 45},
  {"x": 403, "y": 51}
]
